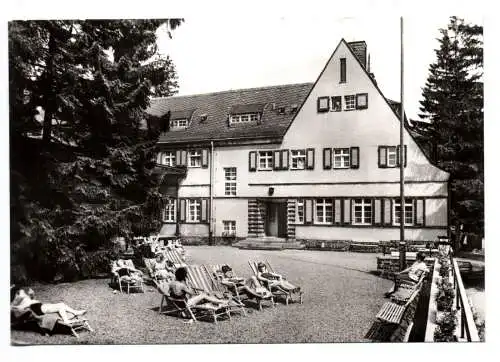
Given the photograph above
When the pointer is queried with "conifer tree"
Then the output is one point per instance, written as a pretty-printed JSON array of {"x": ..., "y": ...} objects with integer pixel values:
[{"x": 453, "y": 104}]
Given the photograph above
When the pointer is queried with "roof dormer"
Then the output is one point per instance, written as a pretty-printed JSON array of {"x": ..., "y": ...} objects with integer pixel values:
[
  {"x": 245, "y": 113},
  {"x": 180, "y": 119}
]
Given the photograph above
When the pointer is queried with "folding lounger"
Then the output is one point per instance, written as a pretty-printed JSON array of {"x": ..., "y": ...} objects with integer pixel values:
[
  {"x": 175, "y": 257},
  {"x": 276, "y": 291},
  {"x": 240, "y": 296},
  {"x": 48, "y": 323},
  {"x": 126, "y": 281}
]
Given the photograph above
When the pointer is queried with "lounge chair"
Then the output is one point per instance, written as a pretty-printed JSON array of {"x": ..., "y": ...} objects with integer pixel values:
[
  {"x": 175, "y": 257},
  {"x": 237, "y": 292},
  {"x": 172, "y": 305},
  {"x": 47, "y": 323},
  {"x": 277, "y": 291},
  {"x": 200, "y": 279},
  {"x": 125, "y": 281}
]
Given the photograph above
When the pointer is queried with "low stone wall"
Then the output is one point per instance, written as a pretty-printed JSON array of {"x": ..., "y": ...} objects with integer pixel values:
[{"x": 204, "y": 240}]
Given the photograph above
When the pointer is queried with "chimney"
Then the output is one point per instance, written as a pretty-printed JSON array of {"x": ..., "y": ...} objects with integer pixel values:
[{"x": 359, "y": 49}]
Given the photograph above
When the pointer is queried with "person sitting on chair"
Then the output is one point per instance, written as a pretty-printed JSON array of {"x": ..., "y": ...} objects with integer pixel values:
[
  {"x": 163, "y": 269},
  {"x": 179, "y": 289},
  {"x": 250, "y": 286},
  {"x": 22, "y": 300},
  {"x": 124, "y": 270},
  {"x": 274, "y": 280},
  {"x": 411, "y": 274}
]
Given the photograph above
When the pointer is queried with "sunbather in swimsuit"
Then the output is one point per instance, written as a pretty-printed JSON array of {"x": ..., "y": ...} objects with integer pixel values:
[
  {"x": 22, "y": 300},
  {"x": 274, "y": 280},
  {"x": 250, "y": 286}
]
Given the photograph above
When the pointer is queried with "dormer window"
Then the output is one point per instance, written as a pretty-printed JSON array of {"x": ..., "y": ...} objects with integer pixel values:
[
  {"x": 178, "y": 124},
  {"x": 244, "y": 118}
]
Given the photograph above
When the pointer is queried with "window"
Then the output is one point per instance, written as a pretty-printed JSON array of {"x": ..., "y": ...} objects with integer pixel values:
[
  {"x": 298, "y": 158},
  {"x": 168, "y": 158},
  {"x": 194, "y": 158},
  {"x": 323, "y": 104},
  {"x": 336, "y": 104},
  {"x": 229, "y": 228},
  {"x": 342, "y": 70},
  {"x": 362, "y": 101},
  {"x": 299, "y": 212},
  {"x": 230, "y": 181},
  {"x": 265, "y": 160},
  {"x": 324, "y": 211},
  {"x": 392, "y": 156},
  {"x": 341, "y": 158},
  {"x": 349, "y": 102},
  {"x": 194, "y": 210},
  {"x": 362, "y": 211},
  {"x": 169, "y": 211},
  {"x": 179, "y": 123},
  {"x": 408, "y": 211},
  {"x": 244, "y": 118}
]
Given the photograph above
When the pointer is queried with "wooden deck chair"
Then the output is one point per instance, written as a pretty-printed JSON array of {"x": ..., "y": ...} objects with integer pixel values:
[
  {"x": 216, "y": 273},
  {"x": 175, "y": 257},
  {"x": 126, "y": 282},
  {"x": 276, "y": 291},
  {"x": 199, "y": 279},
  {"x": 393, "y": 311},
  {"x": 48, "y": 323}
]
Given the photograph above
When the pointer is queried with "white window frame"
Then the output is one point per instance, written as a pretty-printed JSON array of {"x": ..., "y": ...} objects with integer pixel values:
[
  {"x": 350, "y": 102},
  {"x": 168, "y": 158},
  {"x": 297, "y": 156},
  {"x": 364, "y": 204},
  {"x": 267, "y": 157},
  {"x": 194, "y": 158},
  {"x": 244, "y": 118},
  {"x": 324, "y": 205},
  {"x": 409, "y": 211},
  {"x": 170, "y": 211},
  {"x": 391, "y": 151},
  {"x": 299, "y": 211},
  {"x": 181, "y": 123},
  {"x": 341, "y": 158},
  {"x": 228, "y": 227},
  {"x": 194, "y": 210},
  {"x": 230, "y": 174}
]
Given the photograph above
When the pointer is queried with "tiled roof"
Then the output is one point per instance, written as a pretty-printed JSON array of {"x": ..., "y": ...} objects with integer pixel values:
[{"x": 217, "y": 107}]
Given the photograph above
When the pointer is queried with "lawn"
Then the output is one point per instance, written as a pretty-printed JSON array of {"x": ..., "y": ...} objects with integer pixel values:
[{"x": 341, "y": 299}]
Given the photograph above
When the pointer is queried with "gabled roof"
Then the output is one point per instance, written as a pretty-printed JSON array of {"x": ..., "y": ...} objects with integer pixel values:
[{"x": 217, "y": 106}]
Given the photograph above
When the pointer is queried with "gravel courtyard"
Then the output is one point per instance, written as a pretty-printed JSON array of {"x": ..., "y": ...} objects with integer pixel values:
[{"x": 341, "y": 299}]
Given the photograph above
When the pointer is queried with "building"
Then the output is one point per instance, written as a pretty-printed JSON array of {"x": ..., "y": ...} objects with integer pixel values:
[{"x": 302, "y": 161}]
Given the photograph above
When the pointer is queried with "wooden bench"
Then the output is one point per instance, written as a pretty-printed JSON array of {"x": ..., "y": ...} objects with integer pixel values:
[{"x": 391, "y": 312}]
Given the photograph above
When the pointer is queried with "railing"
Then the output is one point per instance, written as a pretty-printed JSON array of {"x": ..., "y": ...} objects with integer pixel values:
[{"x": 467, "y": 330}]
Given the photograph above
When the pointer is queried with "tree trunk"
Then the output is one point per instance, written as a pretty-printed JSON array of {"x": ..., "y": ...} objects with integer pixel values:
[{"x": 50, "y": 103}]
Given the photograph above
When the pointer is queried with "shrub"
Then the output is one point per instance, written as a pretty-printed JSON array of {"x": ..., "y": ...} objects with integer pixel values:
[
  {"x": 445, "y": 331},
  {"x": 445, "y": 296}
]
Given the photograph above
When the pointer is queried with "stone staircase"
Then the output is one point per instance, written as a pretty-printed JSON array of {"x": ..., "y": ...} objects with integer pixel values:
[{"x": 267, "y": 243}]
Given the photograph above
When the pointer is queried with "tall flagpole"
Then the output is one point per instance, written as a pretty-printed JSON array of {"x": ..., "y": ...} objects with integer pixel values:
[{"x": 402, "y": 243}]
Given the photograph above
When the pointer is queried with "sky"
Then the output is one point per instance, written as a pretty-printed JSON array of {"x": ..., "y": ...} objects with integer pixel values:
[{"x": 245, "y": 52}]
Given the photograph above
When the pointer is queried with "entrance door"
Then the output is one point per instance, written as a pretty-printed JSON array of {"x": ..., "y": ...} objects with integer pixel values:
[{"x": 276, "y": 219}]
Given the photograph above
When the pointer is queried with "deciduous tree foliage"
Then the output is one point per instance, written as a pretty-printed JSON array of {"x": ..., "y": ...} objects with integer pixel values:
[
  {"x": 81, "y": 155},
  {"x": 453, "y": 103}
]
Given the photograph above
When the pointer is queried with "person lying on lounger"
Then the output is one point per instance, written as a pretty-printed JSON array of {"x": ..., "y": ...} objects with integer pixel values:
[
  {"x": 124, "y": 270},
  {"x": 163, "y": 269},
  {"x": 274, "y": 280},
  {"x": 249, "y": 286},
  {"x": 23, "y": 300},
  {"x": 411, "y": 274},
  {"x": 179, "y": 289}
]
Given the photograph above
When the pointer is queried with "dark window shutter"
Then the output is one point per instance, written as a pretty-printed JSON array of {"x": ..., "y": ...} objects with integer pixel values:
[
  {"x": 346, "y": 211},
  {"x": 336, "y": 104},
  {"x": 184, "y": 158},
  {"x": 382, "y": 156},
  {"x": 405, "y": 155},
  {"x": 398, "y": 155},
  {"x": 284, "y": 160},
  {"x": 178, "y": 160},
  {"x": 327, "y": 158},
  {"x": 308, "y": 211},
  {"x": 204, "y": 158},
  {"x": 337, "y": 218},
  {"x": 377, "y": 212},
  {"x": 354, "y": 157},
  {"x": 419, "y": 212},
  {"x": 310, "y": 158},
  {"x": 204, "y": 210},
  {"x": 252, "y": 161},
  {"x": 323, "y": 104},
  {"x": 182, "y": 210},
  {"x": 276, "y": 160},
  {"x": 387, "y": 211}
]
